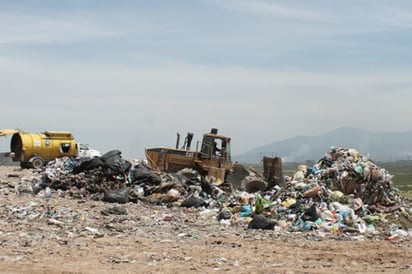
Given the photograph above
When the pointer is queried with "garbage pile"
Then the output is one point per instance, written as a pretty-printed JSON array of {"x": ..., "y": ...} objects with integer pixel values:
[
  {"x": 111, "y": 178},
  {"x": 344, "y": 193}
]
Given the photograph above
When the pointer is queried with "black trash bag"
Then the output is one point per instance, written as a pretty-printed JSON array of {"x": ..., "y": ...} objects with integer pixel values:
[
  {"x": 193, "y": 201},
  {"x": 181, "y": 178},
  {"x": 325, "y": 163},
  {"x": 311, "y": 214},
  {"x": 195, "y": 180},
  {"x": 120, "y": 196},
  {"x": 115, "y": 153},
  {"x": 206, "y": 186},
  {"x": 87, "y": 164},
  {"x": 261, "y": 222},
  {"x": 142, "y": 174},
  {"x": 42, "y": 184},
  {"x": 114, "y": 163}
]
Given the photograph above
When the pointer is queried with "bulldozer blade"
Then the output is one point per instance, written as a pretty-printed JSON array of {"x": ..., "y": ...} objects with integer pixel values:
[
  {"x": 236, "y": 176},
  {"x": 272, "y": 171}
]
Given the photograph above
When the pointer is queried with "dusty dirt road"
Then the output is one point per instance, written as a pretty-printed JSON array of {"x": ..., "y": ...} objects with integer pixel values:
[{"x": 48, "y": 233}]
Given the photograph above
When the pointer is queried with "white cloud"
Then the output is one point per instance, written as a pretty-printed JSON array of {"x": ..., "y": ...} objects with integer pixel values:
[
  {"x": 268, "y": 8},
  {"x": 260, "y": 71},
  {"x": 41, "y": 29},
  {"x": 259, "y": 105}
]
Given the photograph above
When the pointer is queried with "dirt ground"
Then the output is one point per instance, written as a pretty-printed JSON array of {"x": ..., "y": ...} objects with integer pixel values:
[{"x": 52, "y": 233}]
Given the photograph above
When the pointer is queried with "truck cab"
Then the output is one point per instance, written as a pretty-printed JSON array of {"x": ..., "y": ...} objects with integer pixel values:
[{"x": 84, "y": 151}]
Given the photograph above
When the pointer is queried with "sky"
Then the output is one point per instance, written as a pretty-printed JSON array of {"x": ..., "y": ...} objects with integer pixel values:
[{"x": 131, "y": 74}]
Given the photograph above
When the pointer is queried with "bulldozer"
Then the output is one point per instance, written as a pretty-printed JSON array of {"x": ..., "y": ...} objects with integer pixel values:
[{"x": 212, "y": 159}]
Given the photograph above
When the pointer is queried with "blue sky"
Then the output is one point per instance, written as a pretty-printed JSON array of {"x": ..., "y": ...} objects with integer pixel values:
[{"x": 130, "y": 74}]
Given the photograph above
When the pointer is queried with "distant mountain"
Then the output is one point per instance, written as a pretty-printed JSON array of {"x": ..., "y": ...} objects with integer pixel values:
[{"x": 379, "y": 146}]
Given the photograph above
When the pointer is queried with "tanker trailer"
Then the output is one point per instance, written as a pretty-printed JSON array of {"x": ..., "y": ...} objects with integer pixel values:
[{"x": 33, "y": 150}]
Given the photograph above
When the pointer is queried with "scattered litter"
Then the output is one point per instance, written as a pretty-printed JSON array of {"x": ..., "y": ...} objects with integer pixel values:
[{"x": 345, "y": 194}]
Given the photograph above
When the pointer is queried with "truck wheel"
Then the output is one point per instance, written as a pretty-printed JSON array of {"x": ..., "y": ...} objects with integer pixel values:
[{"x": 36, "y": 162}]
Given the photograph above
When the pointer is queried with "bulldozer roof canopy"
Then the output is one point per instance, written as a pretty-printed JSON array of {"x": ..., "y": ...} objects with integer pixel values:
[{"x": 216, "y": 136}]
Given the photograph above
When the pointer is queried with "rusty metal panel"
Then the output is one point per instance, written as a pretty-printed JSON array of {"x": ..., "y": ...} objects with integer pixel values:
[{"x": 272, "y": 170}]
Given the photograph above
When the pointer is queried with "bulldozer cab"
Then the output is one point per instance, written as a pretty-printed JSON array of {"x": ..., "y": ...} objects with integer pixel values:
[
  {"x": 215, "y": 147},
  {"x": 215, "y": 155}
]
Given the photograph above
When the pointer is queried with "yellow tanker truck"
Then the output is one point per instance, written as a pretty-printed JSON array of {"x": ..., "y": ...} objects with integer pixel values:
[{"x": 33, "y": 150}]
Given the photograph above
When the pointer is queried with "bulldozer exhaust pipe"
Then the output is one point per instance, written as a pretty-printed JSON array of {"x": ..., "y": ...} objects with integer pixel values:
[
  {"x": 177, "y": 140},
  {"x": 189, "y": 139}
]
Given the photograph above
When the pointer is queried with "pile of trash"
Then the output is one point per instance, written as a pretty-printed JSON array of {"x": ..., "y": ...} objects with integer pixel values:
[
  {"x": 111, "y": 178},
  {"x": 344, "y": 193}
]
